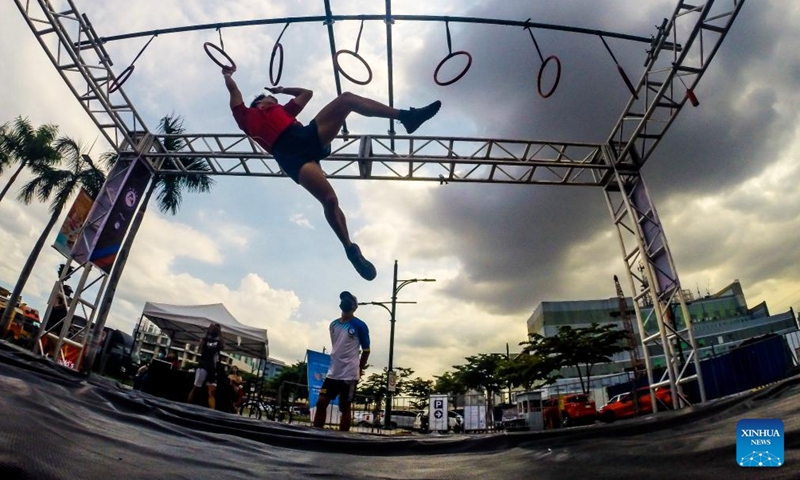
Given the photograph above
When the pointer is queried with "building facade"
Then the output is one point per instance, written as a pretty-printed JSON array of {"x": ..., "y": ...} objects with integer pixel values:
[{"x": 720, "y": 321}]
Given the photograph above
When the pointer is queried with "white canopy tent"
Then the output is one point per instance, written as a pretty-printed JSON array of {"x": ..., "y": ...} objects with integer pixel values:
[{"x": 188, "y": 324}]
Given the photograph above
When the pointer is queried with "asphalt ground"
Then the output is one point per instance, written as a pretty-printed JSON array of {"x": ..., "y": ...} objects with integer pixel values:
[{"x": 57, "y": 424}]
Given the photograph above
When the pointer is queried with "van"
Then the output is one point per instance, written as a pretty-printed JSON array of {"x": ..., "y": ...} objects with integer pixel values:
[{"x": 400, "y": 419}]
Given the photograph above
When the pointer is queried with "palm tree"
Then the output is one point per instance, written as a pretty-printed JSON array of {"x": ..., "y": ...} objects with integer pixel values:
[
  {"x": 170, "y": 189},
  {"x": 59, "y": 185},
  {"x": 27, "y": 146},
  {"x": 5, "y": 155}
]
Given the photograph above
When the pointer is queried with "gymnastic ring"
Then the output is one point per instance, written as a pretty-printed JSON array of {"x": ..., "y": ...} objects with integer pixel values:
[
  {"x": 339, "y": 67},
  {"x": 208, "y": 45},
  {"x": 276, "y": 79},
  {"x": 457, "y": 77},
  {"x": 541, "y": 72},
  {"x": 116, "y": 83}
]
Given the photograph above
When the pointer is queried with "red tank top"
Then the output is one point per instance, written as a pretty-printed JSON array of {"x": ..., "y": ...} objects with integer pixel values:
[{"x": 265, "y": 126}]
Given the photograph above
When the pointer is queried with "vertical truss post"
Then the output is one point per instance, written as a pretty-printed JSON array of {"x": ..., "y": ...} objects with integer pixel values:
[
  {"x": 389, "y": 62},
  {"x": 651, "y": 272},
  {"x": 79, "y": 300}
]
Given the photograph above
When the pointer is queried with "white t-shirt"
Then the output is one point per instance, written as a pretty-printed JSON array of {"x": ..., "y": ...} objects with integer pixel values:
[{"x": 348, "y": 339}]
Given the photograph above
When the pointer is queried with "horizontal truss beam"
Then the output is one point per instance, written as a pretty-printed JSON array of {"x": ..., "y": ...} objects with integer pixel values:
[{"x": 386, "y": 157}]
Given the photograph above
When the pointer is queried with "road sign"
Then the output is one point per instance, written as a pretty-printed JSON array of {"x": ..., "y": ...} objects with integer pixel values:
[{"x": 437, "y": 417}]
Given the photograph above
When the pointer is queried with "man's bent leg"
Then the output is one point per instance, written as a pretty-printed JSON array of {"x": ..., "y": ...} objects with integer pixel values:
[
  {"x": 313, "y": 179},
  {"x": 332, "y": 116}
]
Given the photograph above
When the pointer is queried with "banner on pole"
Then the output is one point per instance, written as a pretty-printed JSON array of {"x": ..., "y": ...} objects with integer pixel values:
[
  {"x": 112, "y": 213},
  {"x": 317, "y": 365},
  {"x": 71, "y": 228}
]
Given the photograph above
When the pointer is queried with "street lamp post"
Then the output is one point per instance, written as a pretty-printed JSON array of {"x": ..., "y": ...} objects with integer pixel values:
[{"x": 397, "y": 285}]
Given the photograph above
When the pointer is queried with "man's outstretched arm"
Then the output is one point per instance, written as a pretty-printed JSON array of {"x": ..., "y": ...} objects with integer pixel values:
[
  {"x": 233, "y": 89},
  {"x": 301, "y": 95}
]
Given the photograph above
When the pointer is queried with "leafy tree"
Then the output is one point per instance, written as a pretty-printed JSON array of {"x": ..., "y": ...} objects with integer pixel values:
[
  {"x": 480, "y": 372},
  {"x": 59, "y": 185},
  {"x": 527, "y": 370},
  {"x": 420, "y": 390},
  {"x": 289, "y": 381},
  {"x": 374, "y": 387},
  {"x": 581, "y": 348},
  {"x": 169, "y": 188},
  {"x": 26, "y": 146},
  {"x": 449, "y": 383}
]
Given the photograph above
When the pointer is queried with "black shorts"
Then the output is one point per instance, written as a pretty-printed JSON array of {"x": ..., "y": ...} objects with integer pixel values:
[
  {"x": 344, "y": 389},
  {"x": 297, "y": 146}
]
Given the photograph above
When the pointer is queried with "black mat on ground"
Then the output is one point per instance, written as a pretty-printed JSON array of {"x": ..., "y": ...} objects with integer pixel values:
[{"x": 55, "y": 424}]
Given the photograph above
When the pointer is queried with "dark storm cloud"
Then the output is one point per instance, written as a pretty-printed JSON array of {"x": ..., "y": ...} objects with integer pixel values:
[
  {"x": 739, "y": 127},
  {"x": 519, "y": 262}
]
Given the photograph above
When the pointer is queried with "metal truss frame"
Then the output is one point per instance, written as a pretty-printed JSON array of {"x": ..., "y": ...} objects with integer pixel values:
[
  {"x": 679, "y": 55},
  {"x": 670, "y": 76},
  {"x": 655, "y": 285},
  {"x": 62, "y": 332},
  {"x": 388, "y": 157}
]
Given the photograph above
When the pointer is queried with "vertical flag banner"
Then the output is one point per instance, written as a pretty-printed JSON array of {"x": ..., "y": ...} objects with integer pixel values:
[
  {"x": 317, "y": 368},
  {"x": 112, "y": 213},
  {"x": 72, "y": 225}
]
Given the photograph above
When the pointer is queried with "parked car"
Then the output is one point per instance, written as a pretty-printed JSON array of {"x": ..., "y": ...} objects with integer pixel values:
[
  {"x": 568, "y": 410},
  {"x": 402, "y": 419},
  {"x": 551, "y": 413},
  {"x": 399, "y": 419},
  {"x": 621, "y": 406},
  {"x": 455, "y": 422},
  {"x": 367, "y": 419}
]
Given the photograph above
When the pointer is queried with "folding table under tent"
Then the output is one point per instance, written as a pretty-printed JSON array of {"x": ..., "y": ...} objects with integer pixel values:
[{"x": 188, "y": 324}]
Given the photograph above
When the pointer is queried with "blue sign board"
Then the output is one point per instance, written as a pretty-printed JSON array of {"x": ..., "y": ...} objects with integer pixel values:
[{"x": 317, "y": 364}]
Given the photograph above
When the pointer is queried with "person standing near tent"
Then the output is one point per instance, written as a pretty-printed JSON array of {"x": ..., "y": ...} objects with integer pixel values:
[
  {"x": 349, "y": 354},
  {"x": 210, "y": 347},
  {"x": 298, "y": 149}
]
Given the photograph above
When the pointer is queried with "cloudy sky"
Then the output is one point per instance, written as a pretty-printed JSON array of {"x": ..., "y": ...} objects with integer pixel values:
[{"x": 724, "y": 180}]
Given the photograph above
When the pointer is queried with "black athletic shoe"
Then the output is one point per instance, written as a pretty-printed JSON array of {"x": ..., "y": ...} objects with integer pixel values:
[
  {"x": 362, "y": 265},
  {"x": 414, "y": 117}
]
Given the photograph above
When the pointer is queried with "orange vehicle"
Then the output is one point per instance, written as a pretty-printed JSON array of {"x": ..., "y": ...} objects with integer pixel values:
[
  {"x": 569, "y": 410},
  {"x": 24, "y": 323},
  {"x": 622, "y": 406}
]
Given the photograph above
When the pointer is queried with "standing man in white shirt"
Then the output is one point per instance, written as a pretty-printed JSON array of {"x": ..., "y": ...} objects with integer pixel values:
[{"x": 349, "y": 354}]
